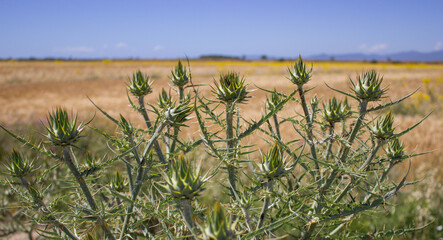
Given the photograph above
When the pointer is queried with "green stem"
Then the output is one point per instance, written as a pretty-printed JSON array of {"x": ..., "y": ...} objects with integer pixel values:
[
  {"x": 372, "y": 155},
  {"x": 139, "y": 179},
  {"x": 129, "y": 171},
  {"x": 362, "y": 113},
  {"x": 264, "y": 210},
  {"x": 149, "y": 125},
  {"x": 41, "y": 205},
  {"x": 343, "y": 156},
  {"x": 68, "y": 160},
  {"x": 187, "y": 213},
  {"x": 181, "y": 93},
  {"x": 277, "y": 126},
  {"x": 309, "y": 132},
  {"x": 329, "y": 147},
  {"x": 230, "y": 147}
]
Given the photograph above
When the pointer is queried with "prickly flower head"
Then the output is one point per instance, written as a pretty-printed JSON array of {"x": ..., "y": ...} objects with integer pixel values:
[
  {"x": 19, "y": 166},
  {"x": 314, "y": 101},
  {"x": 384, "y": 128},
  {"x": 336, "y": 111},
  {"x": 184, "y": 181},
  {"x": 164, "y": 99},
  {"x": 176, "y": 116},
  {"x": 62, "y": 129},
  {"x": 273, "y": 164},
  {"x": 140, "y": 84},
  {"x": 300, "y": 74},
  {"x": 126, "y": 126},
  {"x": 218, "y": 225},
  {"x": 117, "y": 182},
  {"x": 180, "y": 77},
  {"x": 395, "y": 149},
  {"x": 368, "y": 86},
  {"x": 273, "y": 101},
  {"x": 230, "y": 88}
]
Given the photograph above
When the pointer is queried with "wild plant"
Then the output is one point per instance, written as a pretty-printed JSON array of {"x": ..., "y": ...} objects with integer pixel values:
[{"x": 150, "y": 183}]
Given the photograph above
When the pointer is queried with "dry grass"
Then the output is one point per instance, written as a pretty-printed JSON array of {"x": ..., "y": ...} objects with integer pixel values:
[{"x": 28, "y": 90}]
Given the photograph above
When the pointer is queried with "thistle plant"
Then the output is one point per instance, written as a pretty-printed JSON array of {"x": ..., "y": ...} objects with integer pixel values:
[
  {"x": 395, "y": 149},
  {"x": 231, "y": 88},
  {"x": 218, "y": 225},
  {"x": 383, "y": 129},
  {"x": 178, "y": 115},
  {"x": 367, "y": 87},
  {"x": 140, "y": 84},
  {"x": 18, "y": 166},
  {"x": 144, "y": 184},
  {"x": 300, "y": 74},
  {"x": 336, "y": 111},
  {"x": 184, "y": 182},
  {"x": 273, "y": 164},
  {"x": 63, "y": 130},
  {"x": 180, "y": 77},
  {"x": 164, "y": 99}
]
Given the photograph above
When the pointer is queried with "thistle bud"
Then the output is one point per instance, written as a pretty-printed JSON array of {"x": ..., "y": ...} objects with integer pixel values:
[
  {"x": 164, "y": 99},
  {"x": 176, "y": 116},
  {"x": 336, "y": 111},
  {"x": 126, "y": 126},
  {"x": 90, "y": 166},
  {"x": 301, "y": 74},
  {"x": 314, "y": 101},
  {"x": 35, "y": 194},
  {"x": 183, "y": 180},
  {"x": 62, "y": 129},
  {"x": 231, "y": 88},
  {"x": 18, "y": 166},
  {"x": 273, "y": 101},
  {"x": 395, "y": 149},
  {"x": 140, "y": 84},
  {"x": 117, "y": 182},
  {"x": 180, "y": 77},
  {"x": 89, "y": 236},
  {"x": 218, "y": 225},
  {"x": 273, "y": 164},
  {"x": 384, "y": 128},
  {"x": 368, "y": 86}
]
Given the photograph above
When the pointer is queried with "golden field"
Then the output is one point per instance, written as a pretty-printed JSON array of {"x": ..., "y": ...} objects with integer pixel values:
[{"x": 28, "y": 90}]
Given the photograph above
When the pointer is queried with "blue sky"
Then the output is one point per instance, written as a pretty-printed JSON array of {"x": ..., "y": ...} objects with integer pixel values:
[{"x": 168, "y": 29}]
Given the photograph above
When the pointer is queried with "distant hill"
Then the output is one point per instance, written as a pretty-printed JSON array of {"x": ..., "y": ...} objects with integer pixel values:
[{"x": 413, "y": 56}]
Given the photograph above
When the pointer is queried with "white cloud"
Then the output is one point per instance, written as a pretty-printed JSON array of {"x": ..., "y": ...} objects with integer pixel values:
[
  {"x": 374, "y": 48},
  {"x": 76, "y": 49},
  {"x": 158, "y": 48},
  {"x": 121, "y": 45},
  {"x": 438, "y": 46}
]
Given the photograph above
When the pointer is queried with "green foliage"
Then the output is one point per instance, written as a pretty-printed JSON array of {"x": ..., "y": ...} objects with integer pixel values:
[{"x": 143, "y": 182}]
